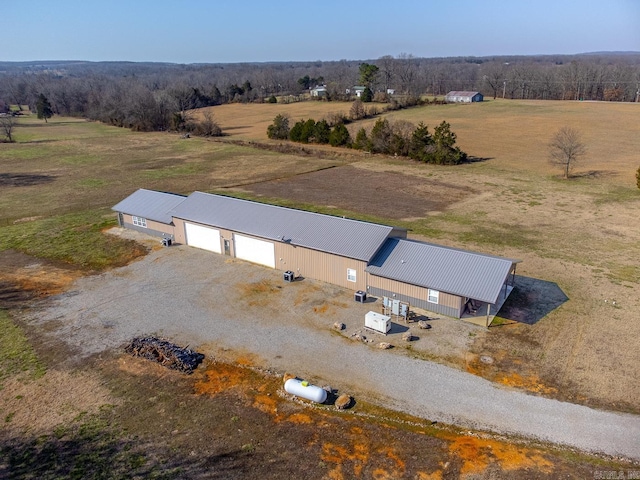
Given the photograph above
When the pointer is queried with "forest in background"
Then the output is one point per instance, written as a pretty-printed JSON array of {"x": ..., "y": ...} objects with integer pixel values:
[{"x": 154, "y": 96}]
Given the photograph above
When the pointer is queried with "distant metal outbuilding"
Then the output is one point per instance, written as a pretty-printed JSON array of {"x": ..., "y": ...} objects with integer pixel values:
[{"x": 463, "y": 97}]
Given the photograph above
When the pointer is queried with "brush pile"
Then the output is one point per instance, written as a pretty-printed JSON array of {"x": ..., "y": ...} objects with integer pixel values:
[{"x": 165, "y": 353}]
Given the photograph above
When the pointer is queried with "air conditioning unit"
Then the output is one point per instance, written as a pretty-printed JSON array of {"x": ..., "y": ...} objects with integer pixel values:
[{"x": 289, "y": 276}]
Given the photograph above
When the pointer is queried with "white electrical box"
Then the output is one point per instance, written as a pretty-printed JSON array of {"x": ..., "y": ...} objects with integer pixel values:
[{"x": 377, "y": 322}]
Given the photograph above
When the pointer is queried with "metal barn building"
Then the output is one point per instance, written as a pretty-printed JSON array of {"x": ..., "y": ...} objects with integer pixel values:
[
  {"x": 463, "y": 97},
  {"x": 378, "y": 259}
]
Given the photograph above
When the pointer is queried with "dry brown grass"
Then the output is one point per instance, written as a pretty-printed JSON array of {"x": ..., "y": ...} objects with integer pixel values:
[
  {"x": 513, "y": 134},
  {"x": 579, "y": 234},
  {"x": 70, "y": 164}
]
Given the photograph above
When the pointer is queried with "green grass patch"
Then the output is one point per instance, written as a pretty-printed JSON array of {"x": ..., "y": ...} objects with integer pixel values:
[
  {"x": 173, "y": 171},
  {"x": 76, "y": 239},
  {"x": 625, "y": 273},
  {"x": 90, "y": 447},
  {"x": 92, "y": 183},
  {"x": 16, "y": 354},
  {"x": 501, "y": 236}
]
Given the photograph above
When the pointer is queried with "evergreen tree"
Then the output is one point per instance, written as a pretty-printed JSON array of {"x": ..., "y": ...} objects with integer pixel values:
[
  {"x": 43, "y": 108},
  {"x": 362, "y": 141},
  {"x": 321, "y": 132},
  {"x": 422, "y": 145},
  {"x": 279, "y": 129},
  {"x": 339, "y": 136}
]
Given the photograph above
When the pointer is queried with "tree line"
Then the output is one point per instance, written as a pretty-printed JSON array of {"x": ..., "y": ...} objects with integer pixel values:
[
  {"x": 147, "y": 96},
  {"x": 398, "y": 138}
]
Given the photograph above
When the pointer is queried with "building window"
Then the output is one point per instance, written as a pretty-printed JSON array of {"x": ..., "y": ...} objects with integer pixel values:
[
  {"x": 351, "y": 274},
  {"x": 433, "y": 296},
  {"x": 140, "y": 222}
]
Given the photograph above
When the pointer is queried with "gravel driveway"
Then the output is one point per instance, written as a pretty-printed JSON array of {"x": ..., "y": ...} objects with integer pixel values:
[{"x": 216, "y": 304}]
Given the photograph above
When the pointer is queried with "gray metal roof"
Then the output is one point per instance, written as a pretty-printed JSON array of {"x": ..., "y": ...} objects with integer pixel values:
[
  {"x": 340, "y": 236},
  {"x": 461, "y": 93},
  {"x": 460, "y": 272},
  {"x": 150, "y": 204}
]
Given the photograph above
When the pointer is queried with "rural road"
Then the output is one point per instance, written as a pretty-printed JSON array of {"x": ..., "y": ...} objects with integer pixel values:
[{"x": 202, "y": 299}]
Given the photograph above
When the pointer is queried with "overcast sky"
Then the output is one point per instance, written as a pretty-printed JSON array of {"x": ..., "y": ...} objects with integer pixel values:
[{"x": 200, "y": 31}]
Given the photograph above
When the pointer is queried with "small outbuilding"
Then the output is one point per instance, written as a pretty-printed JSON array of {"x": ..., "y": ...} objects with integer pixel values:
[{"x": 463, "y": 97}]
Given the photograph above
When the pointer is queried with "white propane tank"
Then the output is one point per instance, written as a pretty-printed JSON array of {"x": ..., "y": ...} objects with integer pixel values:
[{"x": 304, "y": 389}]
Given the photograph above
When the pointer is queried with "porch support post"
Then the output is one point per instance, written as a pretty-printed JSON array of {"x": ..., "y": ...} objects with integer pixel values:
[{"x": 488, "y": 311}]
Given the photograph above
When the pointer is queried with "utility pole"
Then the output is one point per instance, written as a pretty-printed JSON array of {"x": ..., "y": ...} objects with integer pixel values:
[{"x": 504, "y": 88}]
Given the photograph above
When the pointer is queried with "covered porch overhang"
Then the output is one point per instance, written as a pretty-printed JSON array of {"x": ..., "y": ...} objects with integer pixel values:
[{"x": 483, "y": 313}]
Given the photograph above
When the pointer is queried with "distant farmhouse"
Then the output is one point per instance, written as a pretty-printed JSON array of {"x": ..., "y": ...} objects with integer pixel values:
[
  {"x": 463, "y": 97},
  {"x": 358, "y": 90},
  {"x": 361, "y": 256},
  {"x": 319, "y": 91}
]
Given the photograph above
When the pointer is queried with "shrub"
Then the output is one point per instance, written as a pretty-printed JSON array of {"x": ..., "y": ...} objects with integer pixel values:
[
  {"x": 367, "y": 95},
  {"x": 296, "y": 131},
  {"x": 321, "y": 132},
  {"x": 272, "y": 99},
  {"x": 208, "y": 127},
  {"x": 339, "y": 136},
  {"x": 356, "y": 112},
  {"x": 380, "y": 138},
  {"x": 308, "y": 131},
  {"x": 362, "y": 141},
  {"x": 279, "y": 129},
  {"x": 380, "y": 97},
  {"x": 335, "y": 118}
]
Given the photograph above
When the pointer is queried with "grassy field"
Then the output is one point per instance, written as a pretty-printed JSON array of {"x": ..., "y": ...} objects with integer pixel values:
[{"x": 569, "y": 330}]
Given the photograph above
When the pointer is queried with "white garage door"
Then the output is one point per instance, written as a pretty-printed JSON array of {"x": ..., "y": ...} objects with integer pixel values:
[
  {"x": 203, "y": 237},
  {"x": 256, "y": 251}
]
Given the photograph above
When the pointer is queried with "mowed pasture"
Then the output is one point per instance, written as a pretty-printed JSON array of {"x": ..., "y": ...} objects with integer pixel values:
[
  {"x": 570, "y": 327},
  {"x": 569, "y": 330},
  {"x": 579, "y": 236},
  {"x": 513, "y": 134},
  {"x": 69, "y": 165}
]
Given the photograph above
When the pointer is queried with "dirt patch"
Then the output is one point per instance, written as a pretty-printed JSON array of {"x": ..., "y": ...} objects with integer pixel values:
[
  {"x": 477, "y": 454},
  {"x": 24, "y": 179},
  {"x": 511, "y": 373},
  {"x": 24, "y": 279},
  {"x": 35, "y": 407},
  {"x": 386, "y": 194}
]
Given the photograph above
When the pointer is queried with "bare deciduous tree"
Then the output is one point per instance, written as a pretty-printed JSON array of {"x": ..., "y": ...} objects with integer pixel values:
[
  {"x": 566, "y": 148},
  {"x": 7, "y": 124}
]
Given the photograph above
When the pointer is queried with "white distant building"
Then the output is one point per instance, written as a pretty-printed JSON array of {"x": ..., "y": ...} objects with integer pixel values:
[
  {"x": 463, "y": 97},
  {"x": 319, "y": 91}
]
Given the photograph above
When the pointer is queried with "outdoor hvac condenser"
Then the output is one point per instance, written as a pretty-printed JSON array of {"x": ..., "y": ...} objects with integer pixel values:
[{"x": 377, "y": 322}]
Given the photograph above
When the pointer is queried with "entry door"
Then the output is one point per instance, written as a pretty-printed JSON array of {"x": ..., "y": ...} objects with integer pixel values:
[{"x": 227, "y": 247}]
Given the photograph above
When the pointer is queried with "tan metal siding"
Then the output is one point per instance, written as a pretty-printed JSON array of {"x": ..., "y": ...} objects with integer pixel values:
[
  {"x": 320, "y": 265},
  {"x": 447, "y": 300},
  {"x": 153, "y": 227}
]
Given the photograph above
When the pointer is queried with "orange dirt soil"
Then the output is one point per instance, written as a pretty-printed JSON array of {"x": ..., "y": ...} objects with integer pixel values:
[{"x": 353, "y": 451}]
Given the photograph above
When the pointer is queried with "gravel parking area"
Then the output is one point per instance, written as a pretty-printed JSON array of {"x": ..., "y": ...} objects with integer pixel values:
[{"x": 231, "y": 309}]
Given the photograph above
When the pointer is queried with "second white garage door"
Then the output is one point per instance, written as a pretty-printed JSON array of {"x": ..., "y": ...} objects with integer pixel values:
[
  {"x": 254, "y": 250},
  {"x": 203, "y": 237}
]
